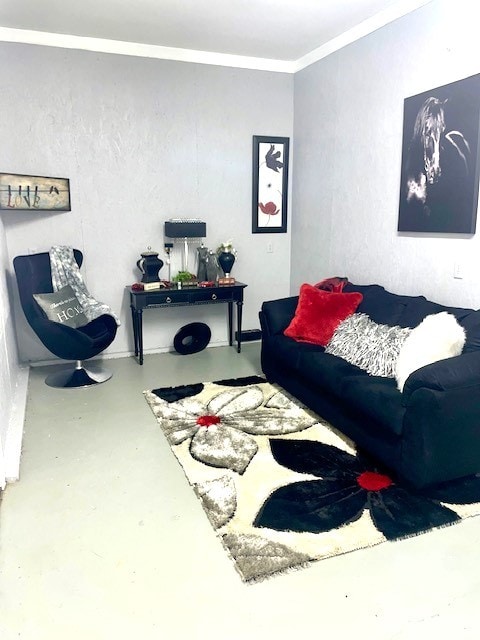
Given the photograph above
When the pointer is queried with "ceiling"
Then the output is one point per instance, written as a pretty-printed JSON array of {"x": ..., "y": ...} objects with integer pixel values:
[{"x": 286, "y": 31}]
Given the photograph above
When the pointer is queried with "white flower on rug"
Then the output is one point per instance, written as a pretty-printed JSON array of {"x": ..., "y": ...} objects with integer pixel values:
[
  {"x": 219, "y": 499},
  {"x": 258, "y": 557},
  {"x": 219, "y": 427}
]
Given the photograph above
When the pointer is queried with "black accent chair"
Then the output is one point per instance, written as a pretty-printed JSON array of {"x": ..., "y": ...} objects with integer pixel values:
[{"x": 34, "y": 276}]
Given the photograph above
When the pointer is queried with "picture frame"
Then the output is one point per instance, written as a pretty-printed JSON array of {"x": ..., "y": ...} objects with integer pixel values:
[
  {"x": 270, "y": 184},
  {"x": 34, "y": 193},
  {"x": 440, "y": 159}
]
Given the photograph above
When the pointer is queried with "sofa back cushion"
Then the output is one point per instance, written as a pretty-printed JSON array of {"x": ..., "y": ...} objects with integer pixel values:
[
  {"x": 276, "y": 315},
  {"x": 379, "y": 304},
  {"x": 471, "y": 323},
  {"x": 319, "y": 313},
  {"x": 408, "y": 311},
  {"x": 416, "y": 309}
]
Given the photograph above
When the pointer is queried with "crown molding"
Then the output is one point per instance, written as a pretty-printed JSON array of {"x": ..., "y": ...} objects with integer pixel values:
[{"x": 118, "y": 47}]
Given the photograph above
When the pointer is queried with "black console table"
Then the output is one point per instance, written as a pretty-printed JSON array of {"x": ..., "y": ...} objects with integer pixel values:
[{"x": 162, "y": 298}]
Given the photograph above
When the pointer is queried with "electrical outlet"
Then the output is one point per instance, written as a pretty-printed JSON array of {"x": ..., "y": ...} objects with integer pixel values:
[
  {"x": 270, "y": 247},
  {"x": 458, "y": 270}
]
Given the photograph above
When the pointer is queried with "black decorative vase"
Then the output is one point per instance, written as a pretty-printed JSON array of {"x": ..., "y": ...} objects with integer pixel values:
[
  {"x": 226, "y": 260},
  {"x": 150, "y": 264}
]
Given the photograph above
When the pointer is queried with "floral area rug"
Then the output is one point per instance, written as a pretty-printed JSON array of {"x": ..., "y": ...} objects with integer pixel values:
[{"x": 281, "y": 487}]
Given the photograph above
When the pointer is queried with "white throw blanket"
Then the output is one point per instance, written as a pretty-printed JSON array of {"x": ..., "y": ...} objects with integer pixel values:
[{"x": 65, "y": 272}]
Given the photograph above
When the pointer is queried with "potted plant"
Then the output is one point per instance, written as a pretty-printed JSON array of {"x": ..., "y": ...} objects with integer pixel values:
[{"x": 185, "y": 279}]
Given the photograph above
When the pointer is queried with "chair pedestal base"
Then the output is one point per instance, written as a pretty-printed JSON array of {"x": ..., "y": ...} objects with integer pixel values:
[{"x": 78, "y": 377}]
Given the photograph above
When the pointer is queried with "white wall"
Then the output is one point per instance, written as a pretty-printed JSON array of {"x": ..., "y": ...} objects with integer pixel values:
[
  {"x": 141, "y": 141},
  {"x": 348, "y": 141},
  {"x": 145, "y": 140},
  {"x": 13, "y": 379}
]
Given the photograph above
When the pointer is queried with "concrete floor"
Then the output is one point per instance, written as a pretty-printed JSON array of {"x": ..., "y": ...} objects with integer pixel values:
[{"x": 103, "y": 539}]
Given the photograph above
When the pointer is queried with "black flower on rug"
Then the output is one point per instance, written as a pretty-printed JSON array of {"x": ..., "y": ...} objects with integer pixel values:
[
  {"x": 347, "y": 486},
  {"x": 172, "y": 394}
]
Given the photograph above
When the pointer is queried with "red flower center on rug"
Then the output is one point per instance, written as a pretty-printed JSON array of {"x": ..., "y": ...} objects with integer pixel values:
[
  {"x": 371, "y": 481},
  {"x": 207, "y": 421}
]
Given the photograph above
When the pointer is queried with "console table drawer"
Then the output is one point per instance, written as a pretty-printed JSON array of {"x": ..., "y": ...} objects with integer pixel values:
[
  {"x": 167, "y": 297},
  {"x": 206, "y": 295}
]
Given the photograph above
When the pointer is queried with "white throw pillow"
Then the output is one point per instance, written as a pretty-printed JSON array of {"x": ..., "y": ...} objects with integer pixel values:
[{"x": 437, "y": 337}]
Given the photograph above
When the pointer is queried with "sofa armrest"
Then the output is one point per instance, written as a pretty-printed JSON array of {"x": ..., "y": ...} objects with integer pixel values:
[
  {"x": 451, "y": 373},
  {"x": 276, "y": 315},
  {"x": 441, "y": 435},
  {"x": 441, "y": 425}
]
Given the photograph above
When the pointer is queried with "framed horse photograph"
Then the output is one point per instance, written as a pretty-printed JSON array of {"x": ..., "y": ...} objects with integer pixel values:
[{"x": 440, "y": 159}]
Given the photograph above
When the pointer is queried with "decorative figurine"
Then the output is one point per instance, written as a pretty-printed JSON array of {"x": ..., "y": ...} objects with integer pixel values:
[
  {"x": 202, "y": 252},
  {"x": 212, "y": 267}
]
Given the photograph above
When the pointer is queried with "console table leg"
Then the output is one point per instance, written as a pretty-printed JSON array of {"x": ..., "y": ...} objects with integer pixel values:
[
  {"x": 239, "y": 326},
  {"x": 230, "y": 323},
  {"x": 140, "y": 335},
  {"x": 135, "y": 333}
]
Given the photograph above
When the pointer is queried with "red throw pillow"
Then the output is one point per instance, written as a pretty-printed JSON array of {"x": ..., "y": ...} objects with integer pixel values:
[{"x": 319, "y": 313}]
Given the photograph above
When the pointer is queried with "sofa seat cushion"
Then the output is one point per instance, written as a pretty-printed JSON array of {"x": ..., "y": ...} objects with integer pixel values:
[
  {"x": 377, "y": 398},
  {"x": 326, "y": 371},
  {"x": 100, "y": 329}
]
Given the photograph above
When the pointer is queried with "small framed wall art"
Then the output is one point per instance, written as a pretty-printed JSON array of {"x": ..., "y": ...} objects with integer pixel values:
[
  {"x": 270, "y": 184},
  {"x": 34, "y": 193}
]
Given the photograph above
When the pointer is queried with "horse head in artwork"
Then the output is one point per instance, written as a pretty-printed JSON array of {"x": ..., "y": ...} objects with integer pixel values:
[
  {"x": 428, "y": 130},
  {"x": 429, "y": 145}
]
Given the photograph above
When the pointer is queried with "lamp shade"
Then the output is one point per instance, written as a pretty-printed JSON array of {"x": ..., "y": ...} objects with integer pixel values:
[{"x": 185, "y": 229}]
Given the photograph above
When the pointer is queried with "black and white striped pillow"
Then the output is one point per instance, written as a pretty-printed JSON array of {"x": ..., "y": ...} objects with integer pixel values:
[{"x": 372, "y": 347}]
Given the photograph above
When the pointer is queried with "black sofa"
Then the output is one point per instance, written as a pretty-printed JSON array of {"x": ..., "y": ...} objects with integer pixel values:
[{"x": 425, "y": 435}]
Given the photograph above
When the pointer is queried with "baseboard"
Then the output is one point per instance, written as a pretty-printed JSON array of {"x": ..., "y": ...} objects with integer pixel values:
[
  {"x": 121, "y": 354},
  {"x": 14, "y": 436},
  {"x": 249, "y": 335}
]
